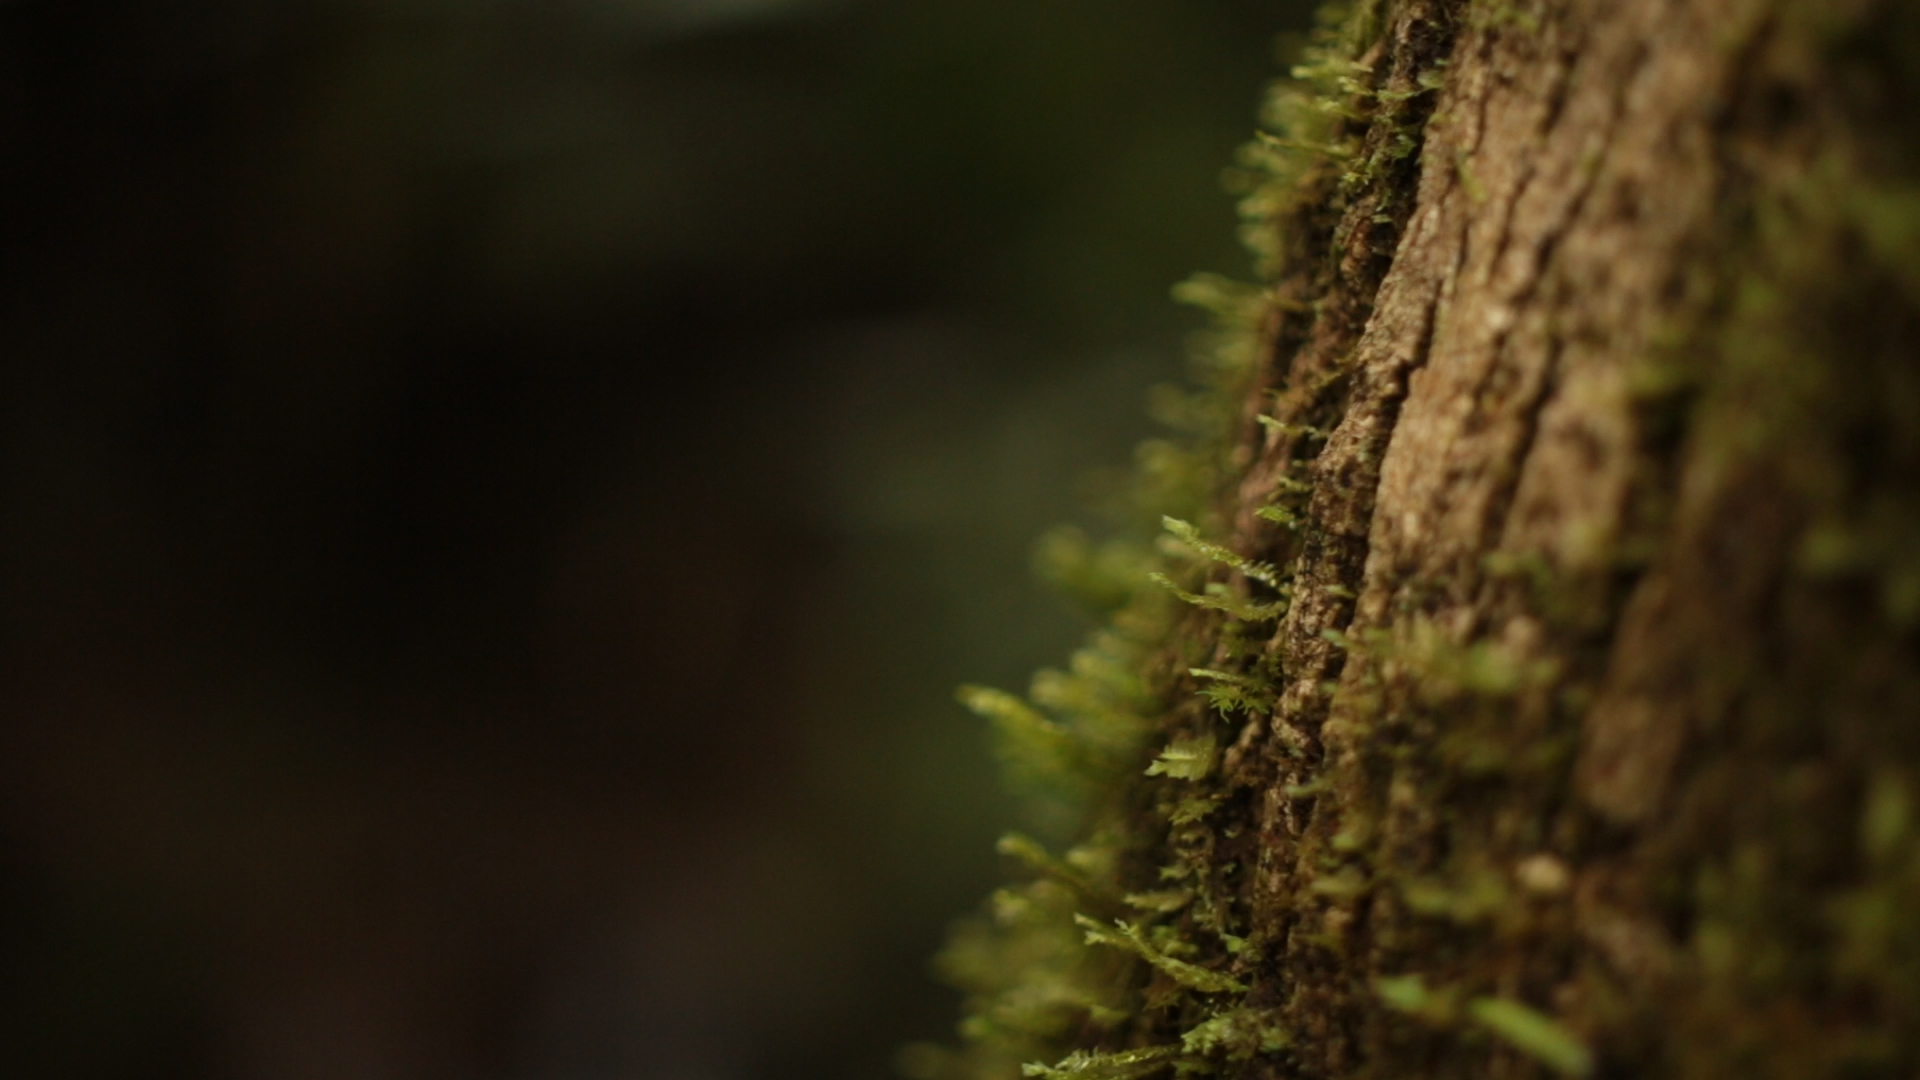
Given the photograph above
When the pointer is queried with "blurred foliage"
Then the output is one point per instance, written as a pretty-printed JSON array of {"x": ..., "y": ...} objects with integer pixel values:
[{"x": 496, "y": 495}]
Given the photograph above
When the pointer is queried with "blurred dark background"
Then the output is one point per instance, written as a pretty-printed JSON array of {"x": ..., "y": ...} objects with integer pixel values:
[{"x": 496, "y": 496}]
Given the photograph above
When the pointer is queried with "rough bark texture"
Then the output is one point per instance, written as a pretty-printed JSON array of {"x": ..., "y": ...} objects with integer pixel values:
[
  {"x": 1590, "y": 459},
  {"x": 1605, "y": 738}
]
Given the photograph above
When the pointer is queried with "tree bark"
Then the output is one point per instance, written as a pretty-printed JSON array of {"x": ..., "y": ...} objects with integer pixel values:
[
  {"x": 1625, "y": 719},
  {"x": 1584, "y": 443}
]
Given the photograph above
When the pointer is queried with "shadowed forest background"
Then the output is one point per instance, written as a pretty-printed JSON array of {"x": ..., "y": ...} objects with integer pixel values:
[{"x": 496, "y": 496}]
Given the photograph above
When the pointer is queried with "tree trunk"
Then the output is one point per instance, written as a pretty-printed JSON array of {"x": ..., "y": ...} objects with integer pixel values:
[{"x": 1557, "y": 702}]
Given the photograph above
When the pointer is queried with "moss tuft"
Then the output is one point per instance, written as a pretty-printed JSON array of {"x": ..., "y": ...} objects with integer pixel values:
[{"x": 1116, "y": 964}]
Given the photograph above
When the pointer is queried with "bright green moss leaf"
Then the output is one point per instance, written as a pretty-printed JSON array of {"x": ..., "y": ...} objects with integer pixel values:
[
  {"x": 1186, "y": 759},
  {"x": 1125, "y": 936}
]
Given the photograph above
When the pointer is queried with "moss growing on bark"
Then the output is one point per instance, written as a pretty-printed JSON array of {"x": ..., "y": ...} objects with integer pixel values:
[
  {"x": 1531, "y": 684},
  {"x": 1108, "y": 964}
]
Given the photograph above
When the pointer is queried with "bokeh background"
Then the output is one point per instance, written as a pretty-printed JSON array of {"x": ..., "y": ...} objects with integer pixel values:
[{"x": 496, "y": 495}]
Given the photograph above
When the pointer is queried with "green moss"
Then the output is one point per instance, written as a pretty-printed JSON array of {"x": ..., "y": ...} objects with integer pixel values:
[
  {"x": 1229, "y": 693},
  {"x": 1237, "y": 1035},
  {"x": 1192, "y": 976},
  {"x": 1186, "y": 758},
  {"x": 1123, "y": 1065},
  {"x": 1130, "y": 955}
]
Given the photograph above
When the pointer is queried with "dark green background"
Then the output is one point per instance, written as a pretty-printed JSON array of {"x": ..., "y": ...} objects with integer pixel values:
[{"x": 496, "y": 496}]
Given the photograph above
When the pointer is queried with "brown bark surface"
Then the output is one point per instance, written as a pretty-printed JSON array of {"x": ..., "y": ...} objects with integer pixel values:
[{"x": 1598, "y": 692}]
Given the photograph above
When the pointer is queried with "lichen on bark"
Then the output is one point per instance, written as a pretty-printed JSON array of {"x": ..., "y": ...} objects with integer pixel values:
[{"x": 1547, "y": 694}]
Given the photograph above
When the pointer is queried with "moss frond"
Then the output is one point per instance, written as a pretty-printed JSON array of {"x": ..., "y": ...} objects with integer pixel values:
[{"x": 1050, "y": 972}]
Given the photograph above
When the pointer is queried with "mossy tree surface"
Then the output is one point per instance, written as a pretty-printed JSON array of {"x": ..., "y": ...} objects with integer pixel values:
[{"x": 1548, "y": 695}]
